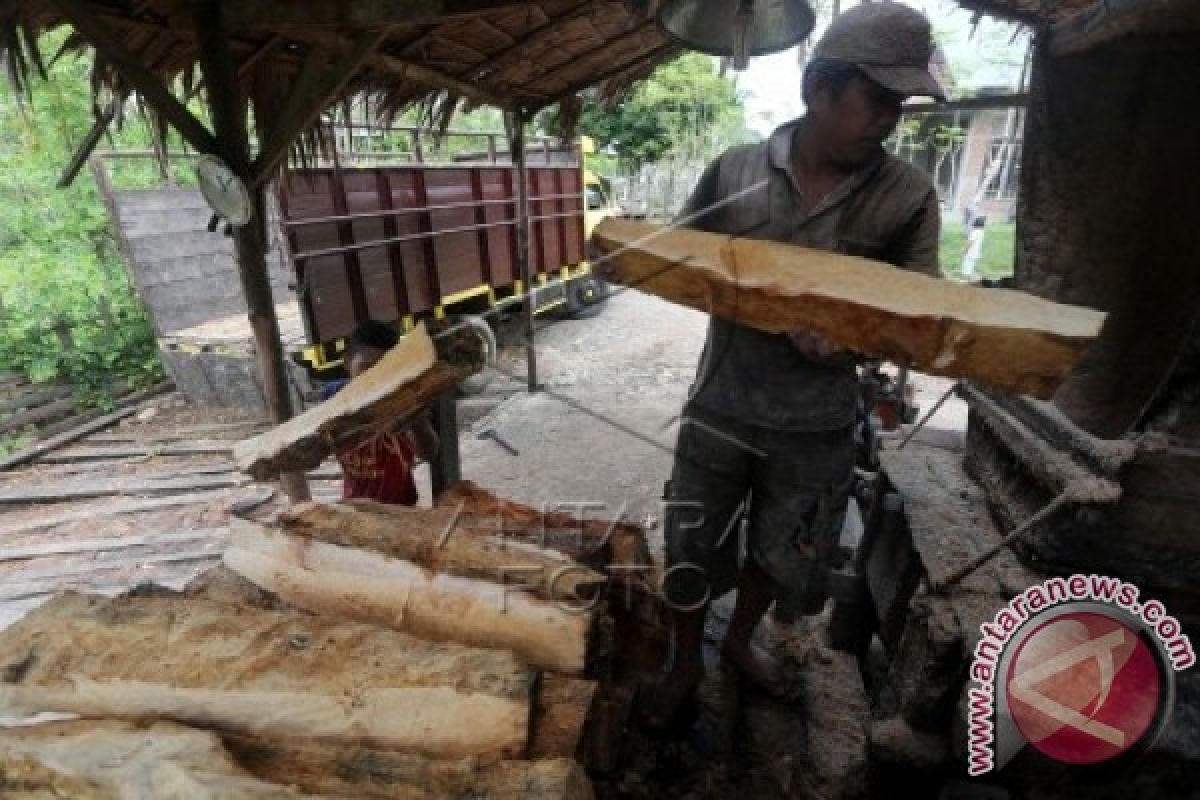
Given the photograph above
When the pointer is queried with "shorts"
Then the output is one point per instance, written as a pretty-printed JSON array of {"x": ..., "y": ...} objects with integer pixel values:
[{"x": 795, "y": 485}]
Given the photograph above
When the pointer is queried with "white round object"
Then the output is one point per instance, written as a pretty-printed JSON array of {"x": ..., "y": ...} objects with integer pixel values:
[{"x": 224, "y": 190}]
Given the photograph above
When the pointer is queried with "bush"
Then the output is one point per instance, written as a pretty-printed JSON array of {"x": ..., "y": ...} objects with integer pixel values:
[{"x": 67, "y": 308}]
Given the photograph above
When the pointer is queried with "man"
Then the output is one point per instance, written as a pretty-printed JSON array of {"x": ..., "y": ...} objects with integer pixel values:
[
  {"x": 768, "y": 426},
  {"x": 380, "y": 466}
]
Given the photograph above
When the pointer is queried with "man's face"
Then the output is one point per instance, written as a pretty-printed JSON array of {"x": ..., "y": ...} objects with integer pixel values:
[
  {"x": 362, "y": 359},
  {"x": 854, "y": 124}
]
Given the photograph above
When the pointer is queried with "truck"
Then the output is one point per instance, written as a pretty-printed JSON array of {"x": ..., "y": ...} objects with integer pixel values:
[
  {"x": 382, "y": 238},
  {"x": 379, "y": 227}
]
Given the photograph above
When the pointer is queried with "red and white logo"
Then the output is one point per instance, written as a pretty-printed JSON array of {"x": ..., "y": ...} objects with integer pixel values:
[
  {"x": 1081, "y": 669},
  {"x": 1084, "y": 687}
]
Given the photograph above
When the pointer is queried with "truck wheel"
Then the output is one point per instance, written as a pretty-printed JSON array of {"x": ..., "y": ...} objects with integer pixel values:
[
  {"x": 475, "y": 384},
  {"x": 585, "y": 297}
]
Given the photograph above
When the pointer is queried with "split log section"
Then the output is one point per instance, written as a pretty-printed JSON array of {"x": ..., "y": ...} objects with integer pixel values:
[
  {"x": 407, "y": 379},
  {"x": 1004, "y": 338},
  {"x": 412, "y": 571},
  {"x": 274, "y": 674}
]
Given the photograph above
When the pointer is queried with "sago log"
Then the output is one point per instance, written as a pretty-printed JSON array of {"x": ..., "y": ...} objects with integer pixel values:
[
  {"x": 1007, "y": 339},
  {"x": 408, "y": 377},
  {"x": 364, "y": 773},
  {"x": 597, "y": 542},
  {"x": 370, "y": 587},
  {"x": 435, "y": 539},
  {"x": 265, "y": 673},
  {"x": 120, "y": 760}
]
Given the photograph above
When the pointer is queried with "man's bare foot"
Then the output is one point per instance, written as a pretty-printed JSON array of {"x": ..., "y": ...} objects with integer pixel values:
[
  {"x": 669, "y": 697},
  {"x": 755, "y": 664}
]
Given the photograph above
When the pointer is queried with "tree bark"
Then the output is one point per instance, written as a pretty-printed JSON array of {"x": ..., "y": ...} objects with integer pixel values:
[
  {"x": 284, "y": 675},
  {"x": 406, "y": 380},
  {"x": 434, "y": 539},
  {"x": 369, "y": 587}
]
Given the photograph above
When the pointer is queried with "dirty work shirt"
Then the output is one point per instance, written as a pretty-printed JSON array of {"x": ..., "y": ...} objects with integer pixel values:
[
  {"x": 380, "y": 468},
  {"x": 887, "y": 210},
  {"x": 764, "y": 425}
]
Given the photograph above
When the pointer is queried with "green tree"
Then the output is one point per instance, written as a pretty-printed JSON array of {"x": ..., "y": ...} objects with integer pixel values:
[
  {"x": 685, "y": 108},
  {"x": 67, "y": 309}
]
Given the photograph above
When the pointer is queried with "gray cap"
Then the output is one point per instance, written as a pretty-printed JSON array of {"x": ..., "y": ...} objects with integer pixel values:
[{"x": 891, "y": 43}]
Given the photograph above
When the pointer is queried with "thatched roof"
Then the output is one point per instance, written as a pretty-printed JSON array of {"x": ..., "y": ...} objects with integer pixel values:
[
  {"x": 1080, "y": 24},
  {"x": 441, "y": 53}
]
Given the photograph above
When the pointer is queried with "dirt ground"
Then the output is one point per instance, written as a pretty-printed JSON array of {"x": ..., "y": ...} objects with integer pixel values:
[{"x": 602, "y": 430}]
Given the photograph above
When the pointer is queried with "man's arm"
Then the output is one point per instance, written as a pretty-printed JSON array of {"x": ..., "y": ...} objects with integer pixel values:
[{"x": 917, "y": 246}]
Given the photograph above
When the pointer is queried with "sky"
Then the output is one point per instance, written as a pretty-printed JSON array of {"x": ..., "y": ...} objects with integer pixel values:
[{"x": 986, "y": 58}]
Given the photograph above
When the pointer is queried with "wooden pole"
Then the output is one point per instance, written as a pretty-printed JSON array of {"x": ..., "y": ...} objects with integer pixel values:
[
  {"x": 233, "y": 144},
  {"x": 516, "y": 146}
]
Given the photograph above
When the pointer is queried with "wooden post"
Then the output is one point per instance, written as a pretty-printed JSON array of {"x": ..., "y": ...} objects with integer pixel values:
[
  {"x": 517, "y": 148},
  {"x": 234, "y": 147},
  {"x": 445, "y": 468}
]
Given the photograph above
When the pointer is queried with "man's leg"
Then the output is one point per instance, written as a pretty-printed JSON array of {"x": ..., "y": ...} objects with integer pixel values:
[
  {"x": 786, "y": 552},
  {"x": 709, "y": 481},
  {"x": 755, "y": 595}
]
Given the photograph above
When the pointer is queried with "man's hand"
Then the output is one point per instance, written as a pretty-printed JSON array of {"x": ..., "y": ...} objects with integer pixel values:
[{"x": 816, "y": 347}]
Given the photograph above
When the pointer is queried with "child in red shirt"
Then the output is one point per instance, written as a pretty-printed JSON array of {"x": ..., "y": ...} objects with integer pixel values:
[{"x": 380, "y": 468}]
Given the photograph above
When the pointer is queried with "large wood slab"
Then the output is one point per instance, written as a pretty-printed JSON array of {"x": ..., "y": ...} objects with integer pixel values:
[
  {"x": 1004, "y": 338},
  {"x": 274, "y": 674},
  {"x": 408, "y": 378}
]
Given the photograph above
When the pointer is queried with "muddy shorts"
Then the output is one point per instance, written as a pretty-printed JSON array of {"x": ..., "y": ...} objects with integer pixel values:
[{"x": 796, "y": 485}]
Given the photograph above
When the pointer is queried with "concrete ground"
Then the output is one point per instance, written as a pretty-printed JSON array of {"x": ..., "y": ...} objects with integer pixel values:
[{"x": 602, "y": 431}]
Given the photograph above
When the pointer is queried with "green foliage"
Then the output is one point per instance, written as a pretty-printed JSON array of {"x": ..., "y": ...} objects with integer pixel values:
[
  {"x": 67, "y": 310},
  {"x": 996, "y": 261},
  {"x": 685, "y": 108}
]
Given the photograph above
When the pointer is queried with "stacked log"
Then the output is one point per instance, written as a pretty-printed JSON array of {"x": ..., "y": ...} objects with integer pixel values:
[
  {"x": 277, "y": 674},
  {"x": 364, "y": 584},
  {"x": 419, "y": 673},
  {"x": 121, "y": 760}
]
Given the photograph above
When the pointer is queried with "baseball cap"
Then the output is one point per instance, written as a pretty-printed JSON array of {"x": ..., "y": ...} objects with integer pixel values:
[{"x": 891, "y": 43}]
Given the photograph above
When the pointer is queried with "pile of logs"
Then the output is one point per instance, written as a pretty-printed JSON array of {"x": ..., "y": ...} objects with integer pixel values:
[{"x": 342, "y": 651}]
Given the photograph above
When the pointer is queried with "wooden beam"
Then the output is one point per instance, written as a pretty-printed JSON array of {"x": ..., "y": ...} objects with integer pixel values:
[
  {"x": 311, "y": 95},
  {"x": 233, "y": 140},
  {"x": 516, "y": 146},
  {"x": 146, "y": 83},
  {"x": 243, "y": 14},
  {"x": 1007, "y": 339},
  {"x": 404, "y": 69},
  {"x": 85, "y": 149},
  {"x": 100, "y": 423},
  {"x": 77, "y": 454},
  {"x": 1017, "y": 100},
  {"x": 83, "y": 490},
  {"x": 110, "y": 510}
]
